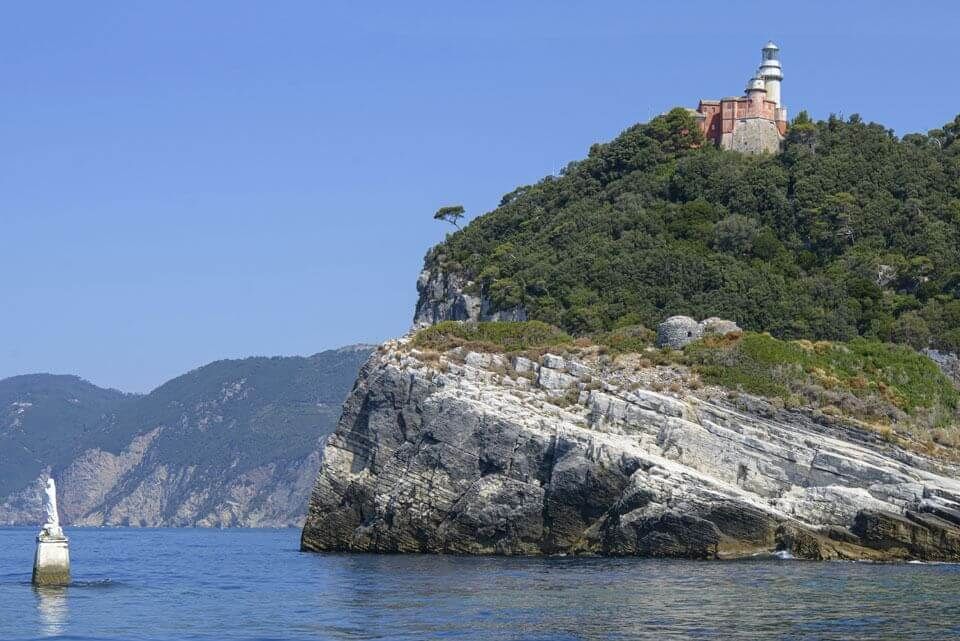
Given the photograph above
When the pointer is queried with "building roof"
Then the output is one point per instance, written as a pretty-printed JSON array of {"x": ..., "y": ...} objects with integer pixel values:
[
  {"x": 756, "y": 84},
  {"x": 770, "y": 45}
]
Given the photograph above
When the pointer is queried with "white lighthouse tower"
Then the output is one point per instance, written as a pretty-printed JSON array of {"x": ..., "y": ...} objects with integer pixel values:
[{"x": 771, "y": 71}]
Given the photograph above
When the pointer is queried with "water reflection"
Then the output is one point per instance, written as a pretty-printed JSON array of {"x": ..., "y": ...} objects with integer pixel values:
[{"x": 52, "y": 608}]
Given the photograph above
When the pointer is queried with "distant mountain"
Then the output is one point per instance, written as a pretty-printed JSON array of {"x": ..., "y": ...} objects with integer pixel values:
[{"x": 232, "y": 443}]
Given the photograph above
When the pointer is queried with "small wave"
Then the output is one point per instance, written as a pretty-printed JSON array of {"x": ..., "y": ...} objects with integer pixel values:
[
  {"x": 96, "y": 583},
  {"x": 777, "y": 555},
  {"x": 93, "y": 583}
]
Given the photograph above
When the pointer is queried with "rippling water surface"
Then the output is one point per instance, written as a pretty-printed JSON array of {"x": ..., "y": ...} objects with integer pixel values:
[{"x": 254, "y": 584}]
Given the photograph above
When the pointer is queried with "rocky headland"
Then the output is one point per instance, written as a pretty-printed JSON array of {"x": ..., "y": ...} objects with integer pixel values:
[
  {"x": 574, "y": 452},
  {"x": 809, "y": 424}
]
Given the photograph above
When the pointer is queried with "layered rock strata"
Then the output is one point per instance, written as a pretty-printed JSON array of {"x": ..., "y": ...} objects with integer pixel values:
[{"x": 483, "y": 454}]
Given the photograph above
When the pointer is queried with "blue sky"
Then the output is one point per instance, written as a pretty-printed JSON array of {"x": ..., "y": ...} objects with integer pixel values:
[{"x": 186, "y": 181}]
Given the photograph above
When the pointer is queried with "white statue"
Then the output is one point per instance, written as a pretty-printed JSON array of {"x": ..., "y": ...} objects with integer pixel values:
[
  {"x": 51, "y": 564},
  {"x": 52, "y": 525}
]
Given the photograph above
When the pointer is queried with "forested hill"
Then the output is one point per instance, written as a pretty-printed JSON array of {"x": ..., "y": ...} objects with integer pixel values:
[
  {"x": 850, "y": 231},
  {"x": 235, "y": 442}
]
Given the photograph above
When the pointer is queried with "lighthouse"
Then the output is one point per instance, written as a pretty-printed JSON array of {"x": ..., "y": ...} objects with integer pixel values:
[
  {"x": 752, "y": 123},
  {"x": 772, "y": 72}
]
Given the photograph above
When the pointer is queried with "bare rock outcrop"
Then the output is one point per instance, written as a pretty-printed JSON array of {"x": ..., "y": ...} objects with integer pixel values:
[
  {"x": 480, "y": 454},
  {"x": 948, "y": 362},
  {"x": 447, "y": 296}
]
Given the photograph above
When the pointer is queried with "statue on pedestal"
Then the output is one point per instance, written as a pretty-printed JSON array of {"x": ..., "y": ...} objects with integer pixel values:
[{"x": 51, "y": 564}]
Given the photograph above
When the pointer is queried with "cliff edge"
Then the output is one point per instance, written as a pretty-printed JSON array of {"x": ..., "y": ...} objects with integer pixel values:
[{"x": 462, "y": 451}]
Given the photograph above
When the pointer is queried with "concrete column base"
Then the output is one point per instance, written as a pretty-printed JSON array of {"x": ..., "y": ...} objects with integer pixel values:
[{"x": 51, "y": 565}]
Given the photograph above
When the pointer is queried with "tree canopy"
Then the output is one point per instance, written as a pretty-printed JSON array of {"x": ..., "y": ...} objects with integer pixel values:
[
  {"x": 850, "y": 231},
  {"x": 450, "y": 214}
]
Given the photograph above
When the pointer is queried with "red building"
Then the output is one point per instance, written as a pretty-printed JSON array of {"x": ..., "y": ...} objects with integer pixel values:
[{"x": 720, "y": 119}]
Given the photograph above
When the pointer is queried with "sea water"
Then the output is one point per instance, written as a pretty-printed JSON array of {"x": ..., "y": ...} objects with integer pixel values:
[{"x": 254, "y": 584}]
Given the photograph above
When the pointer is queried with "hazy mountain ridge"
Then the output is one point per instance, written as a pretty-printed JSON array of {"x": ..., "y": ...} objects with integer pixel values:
[{"x": 234, "y": 442}]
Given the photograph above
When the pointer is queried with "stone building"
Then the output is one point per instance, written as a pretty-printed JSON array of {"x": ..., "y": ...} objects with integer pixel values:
[
  {"x": 755, "y": 122},
  {"x": 678, "y": 331}
]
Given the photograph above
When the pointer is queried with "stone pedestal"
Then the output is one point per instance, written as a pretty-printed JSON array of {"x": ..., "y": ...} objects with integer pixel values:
[{"x": 51, "y": 565}]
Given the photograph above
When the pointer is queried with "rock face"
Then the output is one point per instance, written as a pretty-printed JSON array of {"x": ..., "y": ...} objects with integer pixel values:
[
  {"x": 753, "y": 136},
  {"x": 677, "y": 331},
  {"x": 445, "y": 296},
  {"x": 479, "y": 454},
  {"x": 948, "y": 363},
  {"x": 234, "y": 443}
]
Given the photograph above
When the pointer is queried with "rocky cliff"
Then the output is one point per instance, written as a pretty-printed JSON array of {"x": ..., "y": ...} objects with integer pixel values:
[
  {"x": 466, "y": 452},
  {"x": 447, "y": 296},
  {"x": 234, "y": 443}
]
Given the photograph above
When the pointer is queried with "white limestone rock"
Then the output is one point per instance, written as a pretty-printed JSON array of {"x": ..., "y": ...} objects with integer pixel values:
[{"x": 463, "y": 463}]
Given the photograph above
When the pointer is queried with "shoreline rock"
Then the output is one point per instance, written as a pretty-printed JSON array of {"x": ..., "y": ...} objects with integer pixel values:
[{"x": 469, "y": 453}]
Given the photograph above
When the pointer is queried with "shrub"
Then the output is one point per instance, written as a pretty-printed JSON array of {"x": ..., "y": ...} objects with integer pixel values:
[
  {"x": 862, "y": 377},
  {"x": 491, "y": 336},
  {"x": 624, "y": 340}
]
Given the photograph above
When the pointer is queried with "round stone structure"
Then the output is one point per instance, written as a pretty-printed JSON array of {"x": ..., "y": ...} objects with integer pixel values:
[{"x": 678, "y": 331}]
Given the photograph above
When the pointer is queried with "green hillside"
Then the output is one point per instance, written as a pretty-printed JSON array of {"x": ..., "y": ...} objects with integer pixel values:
[
  {"x": 851, "y": 231},
  {"x": 44, "y": 418},
  {"x": 239, "y": 414},
  {"x": 231, "y": 415}
]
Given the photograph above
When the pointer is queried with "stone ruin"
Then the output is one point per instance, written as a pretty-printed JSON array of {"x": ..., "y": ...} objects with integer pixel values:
[{"x": 678, "y": 331}]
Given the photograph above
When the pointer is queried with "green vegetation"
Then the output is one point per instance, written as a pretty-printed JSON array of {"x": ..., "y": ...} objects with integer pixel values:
[
  {"x": 450, "y": 214},
  {"x": 42, "y": 417},
  {"x": 849, "y": 232},
  {"x": 861, "y": 378},
  {"x": 491, "y": 337},
  {"x": 239, "y": 414},
  {"x": 892, "y": 387},
  {"x": 234, "y": 415},
  {"x": 625, "y": 340}
]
